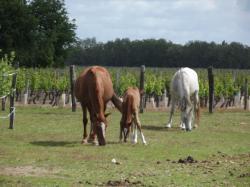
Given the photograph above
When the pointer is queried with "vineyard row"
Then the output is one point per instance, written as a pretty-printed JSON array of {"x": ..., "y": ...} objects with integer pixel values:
[{"x": 48, "y": 85}]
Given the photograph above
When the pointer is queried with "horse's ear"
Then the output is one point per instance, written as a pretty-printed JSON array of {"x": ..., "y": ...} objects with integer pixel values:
[{"x": 106, "y": 115}]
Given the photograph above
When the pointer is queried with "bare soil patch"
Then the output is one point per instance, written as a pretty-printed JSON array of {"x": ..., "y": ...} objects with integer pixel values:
[{"x": 28, "y": 171}]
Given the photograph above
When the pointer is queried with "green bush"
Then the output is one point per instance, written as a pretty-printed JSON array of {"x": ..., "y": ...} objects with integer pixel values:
[{"x": 5, "y": 78}]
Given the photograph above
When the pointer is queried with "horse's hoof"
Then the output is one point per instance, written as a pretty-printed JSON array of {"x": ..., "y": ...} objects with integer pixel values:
[
  {"x": 100, "y": 135},
  {"x": 168, "y": 126},
  {"x": 188, "y": 130},
  {"x": 91, "y": 140},
  {"x": 134, "y": 142},
  {"x": 85, "y": 141}
]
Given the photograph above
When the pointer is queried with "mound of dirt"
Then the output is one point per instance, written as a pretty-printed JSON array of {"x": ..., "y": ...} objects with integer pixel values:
[
  {"x": 125, "y": 182},
  {"x": 188, "y": 160},
  {"x": 244, "y": 175}
]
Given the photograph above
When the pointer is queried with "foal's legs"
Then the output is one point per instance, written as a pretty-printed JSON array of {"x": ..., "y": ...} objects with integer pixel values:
[
  {"x": 134, "y": 133},
  {"x": 138, "y": 124},
  {"x": 171, "y": 113}
]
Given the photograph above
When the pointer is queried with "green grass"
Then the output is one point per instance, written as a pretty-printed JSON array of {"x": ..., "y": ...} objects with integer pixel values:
[{"x": 44, "y": 150}]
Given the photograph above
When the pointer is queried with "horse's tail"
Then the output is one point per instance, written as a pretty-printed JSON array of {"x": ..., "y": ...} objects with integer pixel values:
[
  {"x": 95, "y": 94},
  {"x": 197, "y": 107},
  {"x": 127, "y": 109}
]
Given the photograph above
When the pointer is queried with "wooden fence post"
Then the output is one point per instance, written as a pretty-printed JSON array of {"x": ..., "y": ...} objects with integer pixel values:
[
  {"x": 211, "y": 88},
  {"x": 3, "y": 103},
  {"x": 72, "y": 86},
  {"x": 246, "y": 94},
  {"x": 142, "y": 88},
  {"x": 12, "y": 98}
]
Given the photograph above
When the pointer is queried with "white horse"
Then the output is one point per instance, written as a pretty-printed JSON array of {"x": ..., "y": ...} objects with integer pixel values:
[{"x": 184, "y": 90}]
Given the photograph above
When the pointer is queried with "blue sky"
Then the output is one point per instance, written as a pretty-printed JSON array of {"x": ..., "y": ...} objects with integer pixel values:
[{"x": 179, "y": 21}]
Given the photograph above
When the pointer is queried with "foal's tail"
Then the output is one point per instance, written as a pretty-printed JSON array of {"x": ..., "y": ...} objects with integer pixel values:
[{"x": 127, "y": 108}]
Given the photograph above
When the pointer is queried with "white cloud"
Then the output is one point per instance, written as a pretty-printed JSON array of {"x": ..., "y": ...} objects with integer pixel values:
[{"x": 175, "y": 20}]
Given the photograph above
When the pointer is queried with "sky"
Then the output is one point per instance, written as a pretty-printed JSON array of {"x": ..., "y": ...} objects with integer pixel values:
[{"x": 178, "y": 21}]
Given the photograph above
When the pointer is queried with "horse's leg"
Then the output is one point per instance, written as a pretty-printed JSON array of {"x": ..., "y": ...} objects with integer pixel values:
[
  {"x": 133, "y": 130},
  {"x": 169, "y": 124},
  {"x": 92, "y": 134},
  {"x": 85, "y": 121},
  {"x": 134, "y": 141},
  {"x": 120, "y": 131},
  {"x": 182, "y": 124},
  {"x": 196, "y": 109},
  {"x": 138, "y": 124}
]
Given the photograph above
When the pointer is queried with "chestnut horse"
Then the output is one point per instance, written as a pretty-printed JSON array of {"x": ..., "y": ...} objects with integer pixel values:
[
  {"x": 185, "y": 89},
  {"x": 93, "y": 89},
  {"x": 130, "y": 117}
]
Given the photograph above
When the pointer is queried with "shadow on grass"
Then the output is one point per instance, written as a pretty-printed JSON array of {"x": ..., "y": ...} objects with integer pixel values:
[
  {"x": 160, "y": 128},
  {"x": 153, "y": 127},
  {"x": 65, "y": 144},
  {"x": 113, "y": 142},
  {"x": 55, "y": 143}
]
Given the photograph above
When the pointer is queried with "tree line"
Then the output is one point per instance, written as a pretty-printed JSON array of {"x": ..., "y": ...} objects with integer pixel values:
[{"x": 160, "y": 53}]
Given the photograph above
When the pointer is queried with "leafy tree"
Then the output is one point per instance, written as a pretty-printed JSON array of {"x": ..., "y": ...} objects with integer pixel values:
[
  {"x": 55, "y": 33},
  {"x": 16, "y": 29},
  {"x": 39, "y": 31}
]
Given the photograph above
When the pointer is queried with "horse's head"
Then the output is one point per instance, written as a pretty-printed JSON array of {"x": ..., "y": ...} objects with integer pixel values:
[{"x": 187, "y": 115}]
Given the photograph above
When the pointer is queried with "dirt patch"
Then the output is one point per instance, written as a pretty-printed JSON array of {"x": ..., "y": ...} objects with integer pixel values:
[
  {"x": 28, "y": 171},
  {"x": 125, "y": 182}
]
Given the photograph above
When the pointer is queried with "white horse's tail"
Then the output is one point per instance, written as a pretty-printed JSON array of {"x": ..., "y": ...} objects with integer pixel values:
[{"x": 197, "y": 108}]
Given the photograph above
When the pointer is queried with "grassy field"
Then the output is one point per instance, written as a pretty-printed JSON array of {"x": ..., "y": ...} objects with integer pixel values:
[{"x": 44, "y": 150}]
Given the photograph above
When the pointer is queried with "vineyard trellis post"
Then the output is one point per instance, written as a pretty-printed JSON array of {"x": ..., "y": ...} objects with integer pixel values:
[
  {"x": 26, "y": 91},
  {"x": 72, "y": 85},
  {"x": 246, "y": 94},
  {"x": 12, "y": 98},
  {"x": 117, "y": 78},
  {"x": 211, "y": 88},
  {"x": 142, "y": 88}
]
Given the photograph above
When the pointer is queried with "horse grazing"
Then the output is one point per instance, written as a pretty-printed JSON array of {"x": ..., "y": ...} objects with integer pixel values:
[
  {"x": 130, "y": 117},
  {"x": 185, "y": 90},
  {"x": 93, "y": 89}
]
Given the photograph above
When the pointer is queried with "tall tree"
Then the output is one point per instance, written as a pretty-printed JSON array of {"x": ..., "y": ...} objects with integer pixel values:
[
  {"x": 55, "y": 33},
  {"x": 39, "y": 31},
  {"x": 16, "y": 29}
]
